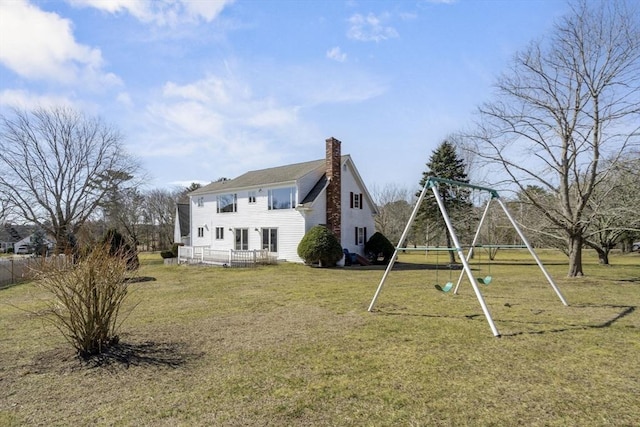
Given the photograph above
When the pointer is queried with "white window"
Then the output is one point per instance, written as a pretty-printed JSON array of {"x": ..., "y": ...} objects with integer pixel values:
[
  {"x": 200, "y": 231},
  {"x": 252, "y": 197},
  {"x": 219, "y": 233},
  {"x": 356, "y": 200},
  {"x": 282, "y": 198},
  {"x": 270, "y": 239},
  {"x": 242, "y": 239},
  {"x": 200, "y": 202},
  {"x": 361, "y": 236},
  {"x": 227, "y": 203}
]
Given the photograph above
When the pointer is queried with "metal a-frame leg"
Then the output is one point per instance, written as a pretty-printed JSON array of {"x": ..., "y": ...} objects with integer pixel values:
[
  {"x": 402, "y": 239},
  {"x": 465, "y": 263}
]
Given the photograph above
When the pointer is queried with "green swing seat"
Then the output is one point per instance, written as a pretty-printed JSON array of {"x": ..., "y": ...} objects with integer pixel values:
[
  {"x": 446, "y": 288},
  {"x": 485, "y": 280}
]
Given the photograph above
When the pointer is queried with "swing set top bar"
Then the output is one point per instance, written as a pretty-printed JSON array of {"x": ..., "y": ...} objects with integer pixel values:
[
  {"x": 502, "y": 246},
  {"x": 428, "y": 248},
  {"x": 432, "y": 179}
]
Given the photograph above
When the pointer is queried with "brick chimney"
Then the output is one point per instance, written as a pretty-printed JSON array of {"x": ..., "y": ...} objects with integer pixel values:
[{"x": 334, "y": 204}]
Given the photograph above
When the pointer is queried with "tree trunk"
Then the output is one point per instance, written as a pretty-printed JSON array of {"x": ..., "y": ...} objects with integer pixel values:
[
  {"x": 575, "y": 256},
  {"x": 452, "y": 254},
  {"x": 603, "y": 256}
]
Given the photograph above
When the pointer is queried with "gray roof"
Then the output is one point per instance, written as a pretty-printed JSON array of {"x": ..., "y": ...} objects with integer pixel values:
[
  {"x": 316, "y": 190},
  {"x": 271, "y": 176},
  {"x": 11, "y": 233}
]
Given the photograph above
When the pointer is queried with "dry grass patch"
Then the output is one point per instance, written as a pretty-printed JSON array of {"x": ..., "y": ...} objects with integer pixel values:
[{"x": 293, "y": 345}]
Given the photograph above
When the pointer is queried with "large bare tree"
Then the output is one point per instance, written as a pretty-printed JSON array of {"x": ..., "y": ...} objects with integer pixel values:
[
  {"x": 57, "y": 165},
  {"x": 568, "y": 101}
]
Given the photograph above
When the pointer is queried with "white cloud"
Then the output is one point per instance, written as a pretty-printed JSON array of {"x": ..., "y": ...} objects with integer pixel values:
[
  {"x": 161, "y": 12},
  {"x": 218, "y": 116},
  {"x": 22, "y": 99},
  {"x": 336, "y": 54},
  {"x": 211, "y": 89},
  {"x": 124, "y": 99},
  {"x": 370, "y": 28},
  {"x": 40, "y": 45}
]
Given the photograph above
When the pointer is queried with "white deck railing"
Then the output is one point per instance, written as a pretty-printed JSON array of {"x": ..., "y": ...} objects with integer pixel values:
[{"x": 229, "y": 258}]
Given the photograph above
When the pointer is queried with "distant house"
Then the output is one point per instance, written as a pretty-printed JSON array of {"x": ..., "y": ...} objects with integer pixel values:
[
  {"x": 26, "y": 244},
  {"x": 9, "y": 235},
  {"x": 273, "y": 208}
]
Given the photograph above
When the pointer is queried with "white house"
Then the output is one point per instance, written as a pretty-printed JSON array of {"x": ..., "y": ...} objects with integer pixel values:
[{"x": 274, "y": 208}]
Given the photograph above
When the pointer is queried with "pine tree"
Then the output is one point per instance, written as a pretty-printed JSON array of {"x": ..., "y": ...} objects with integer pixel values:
[{"x": 443, "y": 163}]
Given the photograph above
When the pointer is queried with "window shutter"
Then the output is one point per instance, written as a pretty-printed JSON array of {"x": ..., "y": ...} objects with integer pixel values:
[
  {"x": 356, "y": 235},
  {"x": 365, "y": 235},
  {"x": 351, "y": 199},
  {"x": 361, "y": 204}
]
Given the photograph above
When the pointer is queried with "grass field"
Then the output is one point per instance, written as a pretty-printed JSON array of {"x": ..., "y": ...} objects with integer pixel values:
[{"x": 290, "y": 345}]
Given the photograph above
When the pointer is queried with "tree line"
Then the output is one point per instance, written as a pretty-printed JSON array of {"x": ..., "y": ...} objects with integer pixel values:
[
  {"x": 562, "y": 132},
  {"x": 70, "y": 177}
]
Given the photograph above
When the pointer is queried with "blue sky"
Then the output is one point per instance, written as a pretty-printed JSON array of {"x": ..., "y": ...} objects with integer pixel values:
[{"x": 213, "y": 88}]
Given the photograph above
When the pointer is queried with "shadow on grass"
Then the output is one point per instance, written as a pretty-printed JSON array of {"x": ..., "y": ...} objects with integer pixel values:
[
  {"x": 407, "y": 266},
  {"x": 147, "y": 353},
  {"x": 624, "y": 311},
  {"x": 141, "y": 279}
]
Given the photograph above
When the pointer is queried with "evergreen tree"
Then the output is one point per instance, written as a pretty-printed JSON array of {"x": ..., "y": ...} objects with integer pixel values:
[{"x": 443, "y": 163}]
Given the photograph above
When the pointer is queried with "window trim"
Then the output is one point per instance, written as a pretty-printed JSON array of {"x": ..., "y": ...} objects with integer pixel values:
[
  {"x": 293, "y": 195},
  {"x": 242, "y": 241},
  {"x": 360, "y": 236},
  {"x": 234, "y": 203},
  {"x": 219, "y": 233},
  {"x": 268, "y": 245},
  {"x": 356, "y": 200}
]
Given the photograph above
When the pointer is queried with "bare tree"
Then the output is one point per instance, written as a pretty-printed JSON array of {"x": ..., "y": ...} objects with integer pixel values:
[
  {"x": 57, "y": 165},
  {"x": 160, "y": 212},
  {"x": 613, "y": 208},
  {"x": 125, "y": 213},
  {"x": 394, "y": 209},
  {"x": 567, "y": 101},
  {"x": 4, "y": 209}
]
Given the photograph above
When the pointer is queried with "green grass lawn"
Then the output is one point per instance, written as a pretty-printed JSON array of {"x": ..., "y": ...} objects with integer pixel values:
[{"x": 293, "y": 345}]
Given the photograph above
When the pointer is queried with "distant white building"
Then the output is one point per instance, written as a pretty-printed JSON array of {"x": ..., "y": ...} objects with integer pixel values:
[{"x": 273, "y": 208}]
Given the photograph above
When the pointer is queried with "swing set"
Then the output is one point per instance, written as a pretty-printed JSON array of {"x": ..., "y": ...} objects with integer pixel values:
[{"x": 432, "y": 183}]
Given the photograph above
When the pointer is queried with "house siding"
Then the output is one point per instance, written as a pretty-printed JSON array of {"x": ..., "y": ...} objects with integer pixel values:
[
  {"x": 289, "y": 222},
  {"x": 354, "y": 217},
  {"x": 292, "y": 224}
]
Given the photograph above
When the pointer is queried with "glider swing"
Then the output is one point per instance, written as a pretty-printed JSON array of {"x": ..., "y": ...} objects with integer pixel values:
[{"x": 432, "y": 184}]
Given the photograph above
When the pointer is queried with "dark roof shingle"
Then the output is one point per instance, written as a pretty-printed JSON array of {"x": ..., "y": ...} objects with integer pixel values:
[{"x": 270, "y": 176}]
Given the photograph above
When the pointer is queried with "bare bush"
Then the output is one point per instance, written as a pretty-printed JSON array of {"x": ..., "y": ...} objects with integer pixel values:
[{"x": 87, "y": 299}]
